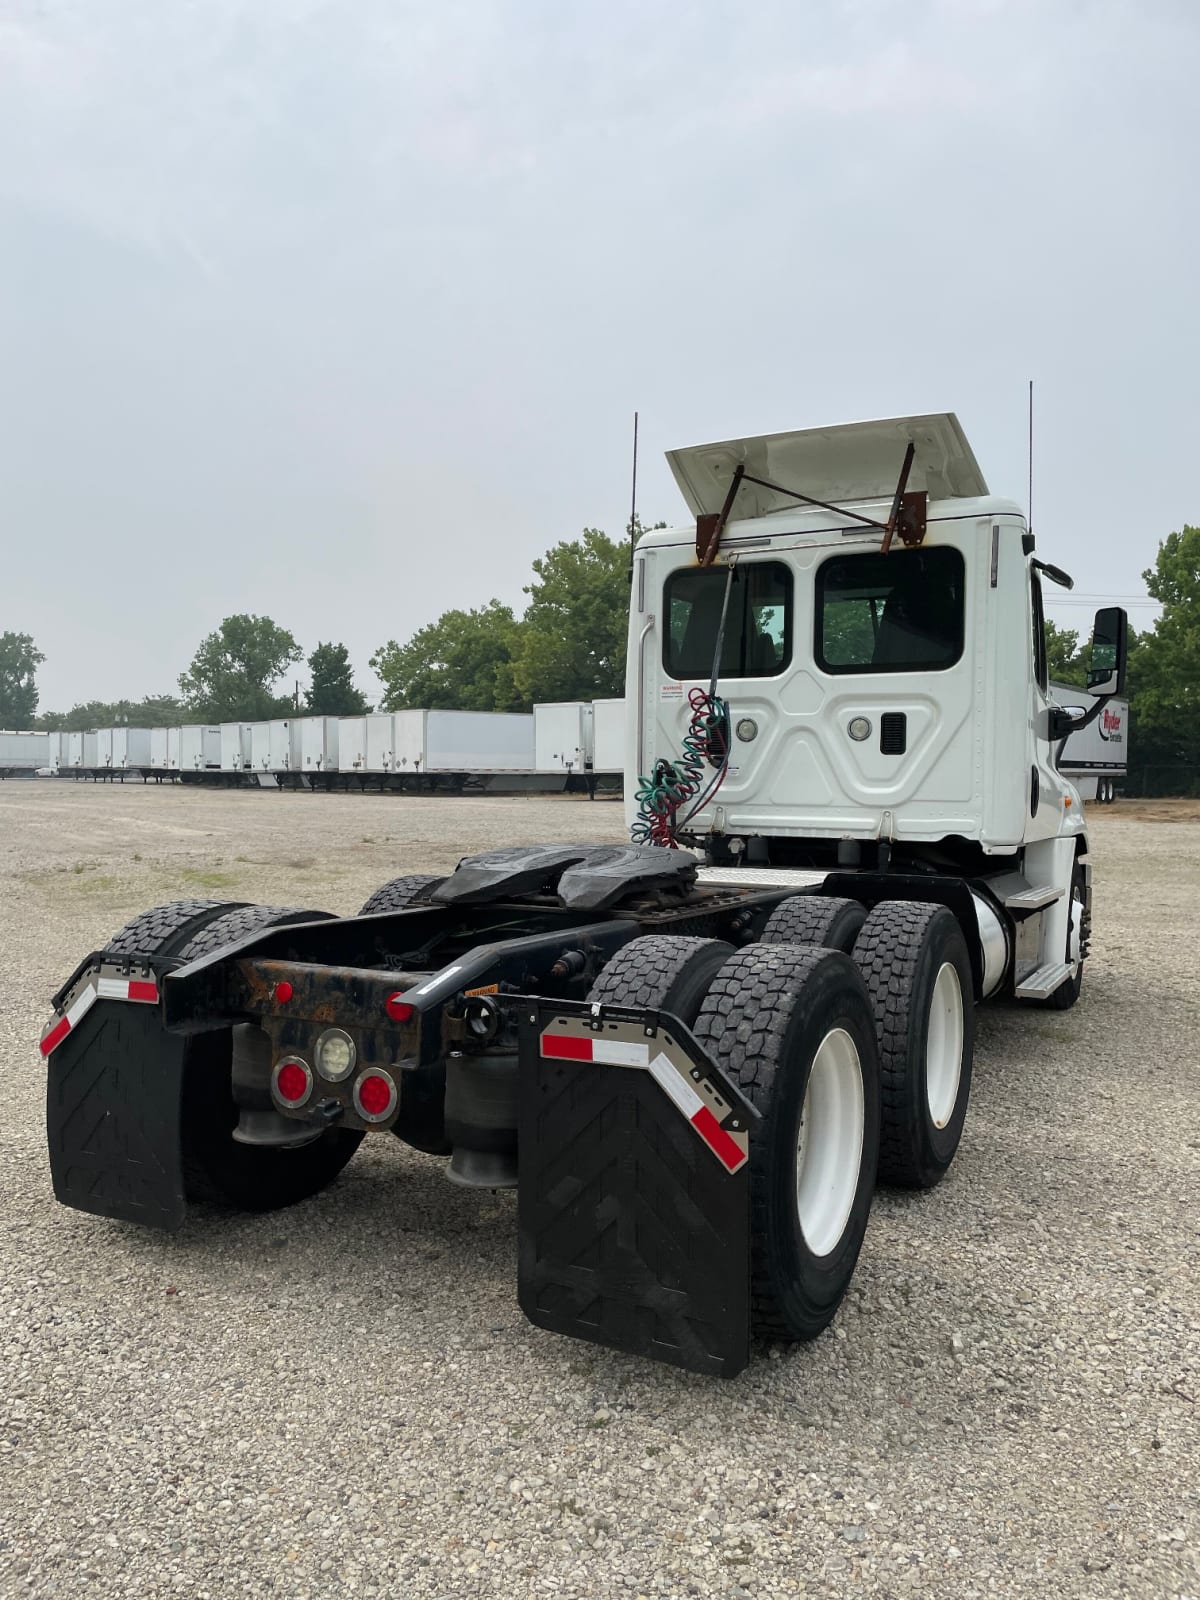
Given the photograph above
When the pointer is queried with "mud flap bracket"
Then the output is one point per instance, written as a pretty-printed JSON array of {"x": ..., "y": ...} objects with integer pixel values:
[{"x": 634, "y": 1196}]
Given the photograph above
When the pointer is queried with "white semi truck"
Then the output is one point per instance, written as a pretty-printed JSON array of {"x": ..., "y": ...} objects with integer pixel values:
[{"x": 696, "y": 1054}]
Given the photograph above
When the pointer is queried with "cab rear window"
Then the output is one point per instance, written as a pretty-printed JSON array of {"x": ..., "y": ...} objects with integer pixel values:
[
  {"x": 758, "y": 625},
  {"x": 900, "y": 612}
]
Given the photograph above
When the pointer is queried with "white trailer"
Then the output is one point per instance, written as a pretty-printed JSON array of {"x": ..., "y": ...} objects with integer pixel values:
[
  {"x": 199, "y": 747},
  {"x": 352, "y": 744},
  {"x": 97, "y": 749},
  {"x": 563, "y": 736},
  {"x": 318, "y": 744},
  {"x": 478, "y": 741},
  {"x": 235, "y": 747},
  {"x": 284, "y": 745},
  {"x": 380, "y": 748},
  {"x": 260, "y": 746},
  {"x": 1095, "y": 756},
  {"x": 130, "y": 749},
  {"x": 57, "y": 756},
  {"x": 75, "y": 750},
  {"x": 24, "y": 752},
  {"x": 174, "y": 743},
  {"x": 159, "y": 749},
  {"x": 608, "y": 735}
]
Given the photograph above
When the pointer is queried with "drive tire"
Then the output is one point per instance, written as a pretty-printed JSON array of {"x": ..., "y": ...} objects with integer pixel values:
[
  {"x": 163, "y": 930},
  {"x": 664, "y": 972},
  {"x": 239, "y": 922},
  {"x": 401, "y": 893},
  {"x": 909, "y": 954},
  {"x": 815, "y": 919},
  {"x": 216, "y": 1168},
  {"x": 773, "y": 1011}
]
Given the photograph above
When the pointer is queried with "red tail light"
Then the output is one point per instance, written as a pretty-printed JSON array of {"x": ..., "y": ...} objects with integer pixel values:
[
  {"x": 398, "y": 1008},
  {"x": 375, "y": 1095},
  {"x": 293, "y": 1081}
]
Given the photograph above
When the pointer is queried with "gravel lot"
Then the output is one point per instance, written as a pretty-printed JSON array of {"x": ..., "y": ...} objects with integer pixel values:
[{"x": 343, "y": 1399}]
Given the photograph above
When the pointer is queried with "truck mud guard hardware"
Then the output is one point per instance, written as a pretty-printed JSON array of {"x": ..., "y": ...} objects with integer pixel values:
[
  {"x": 113, "y": 1098},
  {"x": 634, "y": 1202}
]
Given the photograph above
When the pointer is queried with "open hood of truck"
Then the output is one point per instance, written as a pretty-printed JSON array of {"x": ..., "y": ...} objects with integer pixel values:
[{"x": 853, "y": 462}]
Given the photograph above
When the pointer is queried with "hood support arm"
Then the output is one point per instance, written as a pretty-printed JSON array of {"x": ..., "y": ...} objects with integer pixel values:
[{"x": 907, "y": 517}]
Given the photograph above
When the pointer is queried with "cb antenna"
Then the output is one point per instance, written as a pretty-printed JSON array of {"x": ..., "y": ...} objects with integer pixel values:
[
  {"x": 1029, "y": 511},
  {"x": 633, "y": 493}
]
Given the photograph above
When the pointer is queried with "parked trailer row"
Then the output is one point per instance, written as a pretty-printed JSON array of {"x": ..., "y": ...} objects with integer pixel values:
[{"x": 416, "y": 749}]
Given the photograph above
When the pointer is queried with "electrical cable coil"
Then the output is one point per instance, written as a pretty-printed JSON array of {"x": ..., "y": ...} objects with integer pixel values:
[{"x": 672, "y": 784}]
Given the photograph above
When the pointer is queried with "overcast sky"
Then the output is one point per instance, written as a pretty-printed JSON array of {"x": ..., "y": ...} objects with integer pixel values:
[{"x": 340, "y": 311}]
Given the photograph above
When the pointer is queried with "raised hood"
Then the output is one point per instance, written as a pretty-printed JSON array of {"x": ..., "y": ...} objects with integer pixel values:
[{"x": 853, "y": 462}]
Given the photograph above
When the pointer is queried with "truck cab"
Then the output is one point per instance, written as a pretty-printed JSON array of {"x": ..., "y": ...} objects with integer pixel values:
[{"x": 883, "y": 709}]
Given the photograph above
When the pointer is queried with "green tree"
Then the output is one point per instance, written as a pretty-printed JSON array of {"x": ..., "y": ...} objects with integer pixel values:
[
  {"x": 233, "y": 673},
  {"x": 1064, "y": 657},
  {"x": 463, "y": 661},
  {"x": 19, "y": 660},
  {"x": 154, "y": 711},
  {"x": 1164, "y": 664},
  {"x": 575, "y": 627},
  {"x": 332, "y": 692}
]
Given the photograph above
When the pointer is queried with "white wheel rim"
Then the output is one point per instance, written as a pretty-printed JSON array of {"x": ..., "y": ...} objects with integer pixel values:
[
  {"x": 1074, "y": 933},
  {"x": 944, "y": 1053},
  {"x": 829, "y": 1148}
]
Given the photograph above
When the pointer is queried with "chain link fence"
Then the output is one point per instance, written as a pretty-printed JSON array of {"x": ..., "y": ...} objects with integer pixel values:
[{"x": 1181, "y": 781}]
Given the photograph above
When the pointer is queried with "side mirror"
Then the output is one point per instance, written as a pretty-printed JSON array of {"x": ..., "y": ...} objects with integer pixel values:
[{"x": 1106, "y": 669}]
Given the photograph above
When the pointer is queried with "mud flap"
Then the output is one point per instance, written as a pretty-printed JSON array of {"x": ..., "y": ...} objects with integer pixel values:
[
  {"x": 634, "y": 1196},
  {"x": 112, "y": 1116}
]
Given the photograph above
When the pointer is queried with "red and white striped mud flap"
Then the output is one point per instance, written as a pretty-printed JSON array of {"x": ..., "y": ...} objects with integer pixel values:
[
  {"x": 634, "y": 1195},
  {"x": 114, "y": 1088}
]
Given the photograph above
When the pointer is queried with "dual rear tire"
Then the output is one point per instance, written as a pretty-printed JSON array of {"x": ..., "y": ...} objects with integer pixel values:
[
  {"x": 860, "y": 1067},
  {"x": 216, "y": 1168},
  {"x": 791, "y": 1027}
]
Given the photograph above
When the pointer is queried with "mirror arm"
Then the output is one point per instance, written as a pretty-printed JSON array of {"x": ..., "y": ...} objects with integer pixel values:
[
  {"x": 1060, "y": 726},
  {"x": 1089, "y": 717}
]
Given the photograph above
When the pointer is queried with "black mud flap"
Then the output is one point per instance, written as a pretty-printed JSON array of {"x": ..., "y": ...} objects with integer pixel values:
[
  {"x": 112, "y": 1116},
  {"x": 634, "y": 1196}
]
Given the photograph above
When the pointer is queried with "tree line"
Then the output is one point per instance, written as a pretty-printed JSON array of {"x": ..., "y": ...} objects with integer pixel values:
[{"x": 569, "y": 644}]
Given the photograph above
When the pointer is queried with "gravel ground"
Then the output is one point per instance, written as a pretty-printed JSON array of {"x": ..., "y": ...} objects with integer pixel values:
[{"x": 343, "y": 1399}]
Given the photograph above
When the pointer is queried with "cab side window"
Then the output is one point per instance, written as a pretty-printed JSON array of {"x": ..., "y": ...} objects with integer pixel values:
[{"x": 1040, "y": 670}]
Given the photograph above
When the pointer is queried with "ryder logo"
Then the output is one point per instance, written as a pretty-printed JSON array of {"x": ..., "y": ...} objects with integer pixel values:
[{"x": 1110, "y": 726}]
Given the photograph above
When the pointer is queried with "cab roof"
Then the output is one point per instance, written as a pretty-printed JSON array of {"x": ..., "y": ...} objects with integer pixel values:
[{"x": 853, "y": 461}]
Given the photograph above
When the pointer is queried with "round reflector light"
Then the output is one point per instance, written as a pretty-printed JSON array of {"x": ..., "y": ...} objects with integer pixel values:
[
  {"x": 293, "y": 1081},
  {"x": 859, "y": 728},
  {"x": 398, "y": 1008},
  {"x": 283, "y": 992},
  {"x": 335, "y": 1055},
  {"x": 375, "y": 1095}
]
